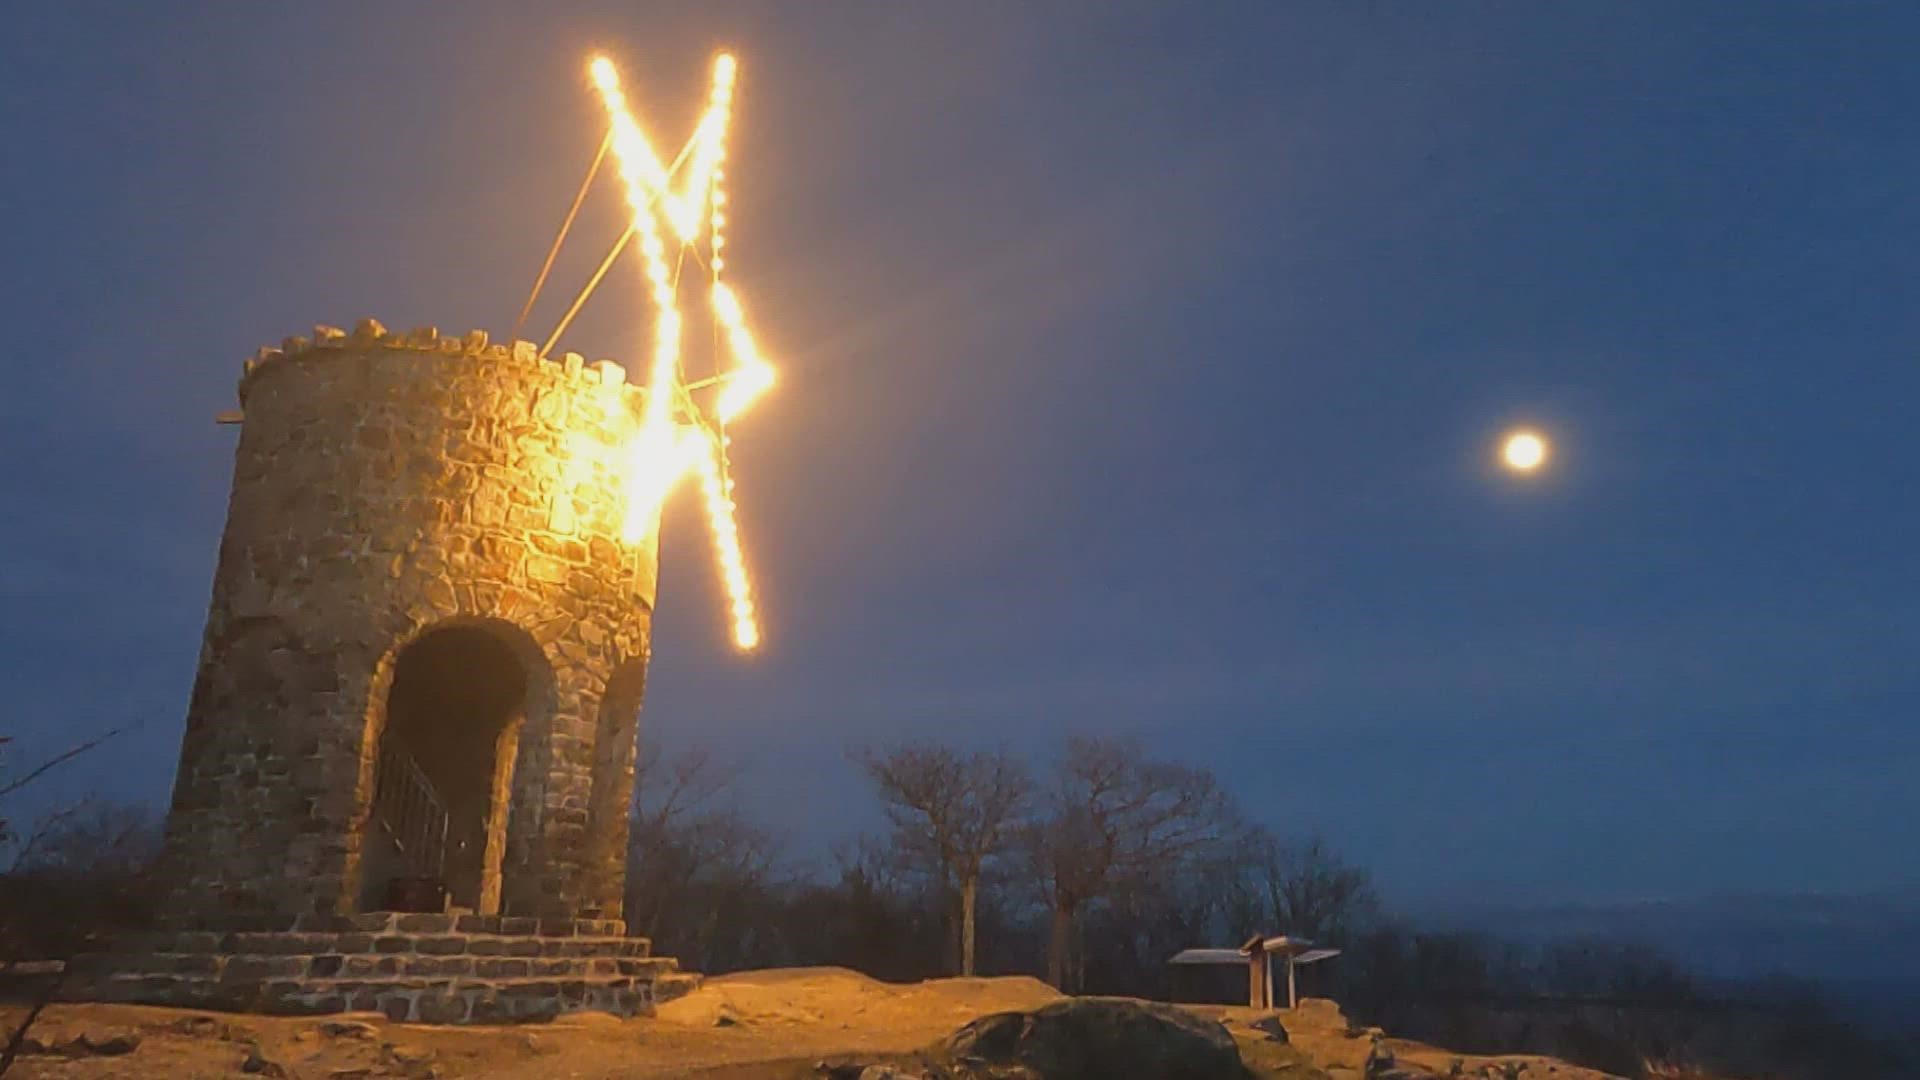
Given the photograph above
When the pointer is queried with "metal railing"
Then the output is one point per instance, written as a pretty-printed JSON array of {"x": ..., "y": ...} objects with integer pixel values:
[{"x": 408, "y": 808}]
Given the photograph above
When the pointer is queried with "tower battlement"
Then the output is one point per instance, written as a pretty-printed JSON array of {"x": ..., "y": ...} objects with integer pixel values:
[{"x": 370, "y": 333}]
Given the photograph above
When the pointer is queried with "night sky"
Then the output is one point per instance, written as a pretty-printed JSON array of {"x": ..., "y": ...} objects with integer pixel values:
[{"x": 1141, "y": 373}]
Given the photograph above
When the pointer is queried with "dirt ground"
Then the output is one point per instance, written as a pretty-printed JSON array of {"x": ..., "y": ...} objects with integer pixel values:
[{"x": 762, "y": 1025}]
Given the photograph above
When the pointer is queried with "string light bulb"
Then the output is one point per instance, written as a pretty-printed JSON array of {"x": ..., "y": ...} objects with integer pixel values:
[{"x": 674, "y": 434}]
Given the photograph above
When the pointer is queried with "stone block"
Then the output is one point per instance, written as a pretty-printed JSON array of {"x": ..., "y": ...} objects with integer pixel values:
[
  {"x": 425, "y": 924},
  {"x": 363, "y": 966},
  {"x": 281, "y": 944},
  {"x": 442, "y": 945},
  {"x": 193, "y": 963},
  {"x": 504, "y": 967},
  {"x": 440, "y": 965},
  {"x": 441, "y": 1007},
  {"x": 318, "y": 922},
  {"x": 246, "y": 969},
  {"x": 490, "y": 1007},
  {"x": 196, "y": 941}
]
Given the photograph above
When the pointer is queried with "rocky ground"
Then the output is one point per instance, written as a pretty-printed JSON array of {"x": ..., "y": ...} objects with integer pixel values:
[{"x": 763, "y": 1025}]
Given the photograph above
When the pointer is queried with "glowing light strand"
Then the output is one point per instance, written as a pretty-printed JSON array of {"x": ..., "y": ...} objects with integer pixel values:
[{"x": 664, "y": 449}]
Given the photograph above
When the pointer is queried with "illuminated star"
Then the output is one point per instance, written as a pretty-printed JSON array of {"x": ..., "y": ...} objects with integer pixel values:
[{"x": 687, "y": 201}]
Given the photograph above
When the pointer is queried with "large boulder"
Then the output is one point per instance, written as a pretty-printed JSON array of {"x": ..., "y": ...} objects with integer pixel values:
[{"x": 1096, "y": 1039}]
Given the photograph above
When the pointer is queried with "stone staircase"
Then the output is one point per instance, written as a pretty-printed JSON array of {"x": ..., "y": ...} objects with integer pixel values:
[{"x": 425, "y": 968}]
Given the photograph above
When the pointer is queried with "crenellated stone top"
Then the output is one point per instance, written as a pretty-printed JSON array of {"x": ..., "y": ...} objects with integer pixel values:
[{"x": 370, "y": 333}]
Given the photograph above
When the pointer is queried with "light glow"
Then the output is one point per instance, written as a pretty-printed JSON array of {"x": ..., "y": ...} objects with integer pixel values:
[
  {"x": 675, "y": 434},
  {"x": 1524, "y": 451}
]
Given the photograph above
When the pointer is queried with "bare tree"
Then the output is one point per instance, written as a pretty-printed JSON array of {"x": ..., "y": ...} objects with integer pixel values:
[
  {"x": 698, "y": 871},
  {"x": 951, "y": 812},
  {"x": 82, "y": 872},
  {"x": 1310, "y": 891},
  {"x": 1111, "y": 817},
  {"x": 9, "y": 951}
]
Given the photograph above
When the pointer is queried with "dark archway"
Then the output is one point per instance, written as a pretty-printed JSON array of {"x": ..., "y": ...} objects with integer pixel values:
[{"x": 443, "y": 781}]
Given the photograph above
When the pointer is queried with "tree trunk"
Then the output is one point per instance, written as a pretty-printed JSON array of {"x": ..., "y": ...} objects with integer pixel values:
[
  {"x": 968, "y": 889},
  {"x": 1057, "y": 940},
  {"x": 1079, "y": 953}
]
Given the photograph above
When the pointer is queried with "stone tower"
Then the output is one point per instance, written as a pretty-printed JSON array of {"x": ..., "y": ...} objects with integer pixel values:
[{"x": 427, "y": 641}]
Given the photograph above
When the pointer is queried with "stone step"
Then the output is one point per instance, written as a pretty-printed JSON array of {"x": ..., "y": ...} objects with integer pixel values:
[
  {"x": 256, "y": 967},
  {"x": 406, "y": 922},
  {"x": 310, "y": 943},
  {"x": 674, "y": 984},
  {"x": 423, "y": 1000}
]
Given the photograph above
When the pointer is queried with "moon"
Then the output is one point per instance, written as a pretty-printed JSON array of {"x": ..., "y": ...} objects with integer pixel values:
[{"x": 1524, "y": 451}]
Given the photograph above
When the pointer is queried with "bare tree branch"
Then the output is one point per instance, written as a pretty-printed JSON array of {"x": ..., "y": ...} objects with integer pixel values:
[
  {"x": 950, "y": 812},
  {"x": 58, "y": 760}
]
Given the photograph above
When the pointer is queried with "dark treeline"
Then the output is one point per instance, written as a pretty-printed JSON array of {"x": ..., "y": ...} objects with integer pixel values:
[
  {"x": 1093, "y": 868},
  {"x": 1088, "y": 870}
]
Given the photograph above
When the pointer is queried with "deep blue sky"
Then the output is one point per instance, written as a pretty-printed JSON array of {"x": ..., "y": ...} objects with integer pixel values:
[{"x": 1141, "y": 373}]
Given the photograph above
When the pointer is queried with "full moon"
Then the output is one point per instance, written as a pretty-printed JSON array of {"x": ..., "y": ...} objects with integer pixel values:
[{"x": 1524, "y": 451}]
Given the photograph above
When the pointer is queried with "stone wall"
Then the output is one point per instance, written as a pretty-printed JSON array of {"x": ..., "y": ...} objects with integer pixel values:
[{"x": 387, "y": 485}]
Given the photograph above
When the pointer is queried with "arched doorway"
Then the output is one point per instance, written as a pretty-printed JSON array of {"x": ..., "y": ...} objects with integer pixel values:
[{"x": 444, "y": 775}]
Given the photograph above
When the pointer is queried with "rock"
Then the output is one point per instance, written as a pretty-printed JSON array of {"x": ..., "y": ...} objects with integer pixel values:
[
  {"x": 1379, "y": 1056},
  {"x": 1096, "y": 1038},
  {"x": 1271, "y": 1026},
  {"x": 89, "y": 1044},
  {"x": 122, "y": 1043},
  {"x": 258, "y": 1065},
  {"x": 202, "y": 1027},
  {"x": 347, "y": 1029},
  {"x": 887, "y": 1072},
  {"x": 1317, "y": 1012},
  {"x": 414, "y": 1062},
  {"x": 407, "y": 1053}
]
